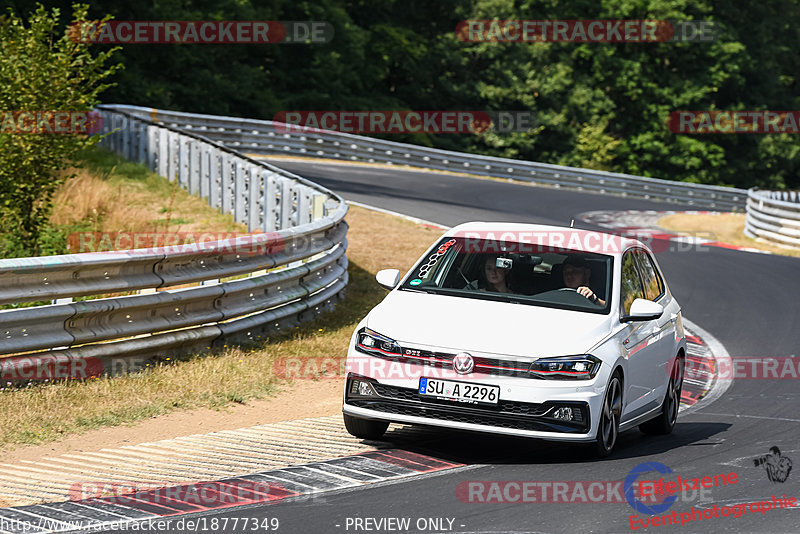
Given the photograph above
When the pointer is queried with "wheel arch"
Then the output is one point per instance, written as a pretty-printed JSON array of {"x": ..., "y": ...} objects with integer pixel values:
[
  {"x": 619, "y": 370},
  {"x": 681, "y": 356}
]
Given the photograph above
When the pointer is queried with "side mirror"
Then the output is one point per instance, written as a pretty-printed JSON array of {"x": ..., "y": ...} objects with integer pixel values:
[
  {"x": 643, "y": 310},
  {"x": 388, "y": 278}
]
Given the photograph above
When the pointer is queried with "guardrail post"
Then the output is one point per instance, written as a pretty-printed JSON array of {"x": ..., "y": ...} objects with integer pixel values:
[
  {"x": 183, "y": 161},
  {"x": 254, "y": 188},
  {"x": 194, "y": 166},
  {"x": 303, "y": 205},
  {"x": 113, "y": 133},
  {"x": 227, "y": 184},
  {"x": 215, "y": 179},
  {"x": 239, "y": 192},
  {"x": 317, "y": 207},
  {"x": 163, "y": 153},
  {"x": 206, "y": 152},
  {"x": 151, "y": 132},
  {"x": 143, "y": 139},
  {"x": 285, "y": 188},
  {"x": 269, "y": 202},
  {"x": 172, "y": 156},
  {"x": 125, "y": 137}
]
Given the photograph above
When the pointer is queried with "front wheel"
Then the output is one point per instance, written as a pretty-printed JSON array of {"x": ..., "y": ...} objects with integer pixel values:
[
  {"x": 665, "y": 421},
  {"x": 608, "y": 427},
  {"x": 365, "y": 428}
]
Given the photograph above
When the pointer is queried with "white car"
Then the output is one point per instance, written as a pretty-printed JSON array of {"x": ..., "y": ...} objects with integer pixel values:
[{"x": 520, "y": 329}]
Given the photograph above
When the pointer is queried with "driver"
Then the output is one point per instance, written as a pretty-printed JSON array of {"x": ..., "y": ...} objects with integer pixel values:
[{"x": 576, "y": 276}]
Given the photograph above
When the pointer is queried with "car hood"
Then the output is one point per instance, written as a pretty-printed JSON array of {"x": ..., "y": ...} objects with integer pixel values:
[{"x": 466, "y": 324}]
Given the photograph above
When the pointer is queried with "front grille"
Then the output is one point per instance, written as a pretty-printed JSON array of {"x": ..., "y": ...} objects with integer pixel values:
[
  {"x": 507, "y": 414},
  {"x": 488, "y": 366},
  {"x": 510, "y": 407},
  {"x": 396, "y": 393}
]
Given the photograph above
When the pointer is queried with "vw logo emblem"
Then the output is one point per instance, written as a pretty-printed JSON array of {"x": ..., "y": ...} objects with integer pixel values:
[{"x": 463, "y": 363}]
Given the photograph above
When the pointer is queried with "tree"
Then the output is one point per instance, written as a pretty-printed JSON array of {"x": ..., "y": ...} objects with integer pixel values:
[
  {"x": 40, "y": 75},
  {"x": 601, "y": 105}
]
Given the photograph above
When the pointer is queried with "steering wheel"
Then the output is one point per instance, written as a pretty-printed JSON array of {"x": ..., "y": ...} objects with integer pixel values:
[{"x": 568, "y": 289}]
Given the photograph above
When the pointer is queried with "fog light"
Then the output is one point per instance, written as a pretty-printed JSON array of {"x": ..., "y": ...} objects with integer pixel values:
[
  {"x": 364, "y": 388},
  {"x": 565, "y": 414}
]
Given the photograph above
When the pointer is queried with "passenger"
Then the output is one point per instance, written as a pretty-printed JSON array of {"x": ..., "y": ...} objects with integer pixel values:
[
  {"x": 493, "y": 278},
  {"x": 577, "y": 274}
]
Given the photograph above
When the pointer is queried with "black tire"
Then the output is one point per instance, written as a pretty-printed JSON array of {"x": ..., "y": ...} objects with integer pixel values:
[
  {"x": 665, "y": 421},
  {"x": 365, "y": 428},
  {"x": 608, "y": 427}
]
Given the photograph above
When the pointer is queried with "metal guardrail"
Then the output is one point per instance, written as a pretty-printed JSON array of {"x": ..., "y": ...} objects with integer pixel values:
[
  {"x": 262, "y": 137},
  {"x": 773, "y": 216},
  {"x": 295, "y": 258}
]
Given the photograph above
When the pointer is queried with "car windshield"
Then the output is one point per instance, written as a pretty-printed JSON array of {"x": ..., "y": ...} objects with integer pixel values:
[{"x": 523, "y": 273}]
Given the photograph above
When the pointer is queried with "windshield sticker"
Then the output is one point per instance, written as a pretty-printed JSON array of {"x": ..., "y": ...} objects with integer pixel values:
[
  {"x": 423, "y": 270},
  {"x": 415, "y": 282}
]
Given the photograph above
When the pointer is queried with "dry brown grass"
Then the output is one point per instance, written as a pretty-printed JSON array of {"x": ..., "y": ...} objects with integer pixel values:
[
  {"x": 234, "y": 375},
  {"x": 86, "y": 196},
  {"x": 46, "y": 412},
  {"x": 117, "y": 204},
  {"x": 724, "y": 227},
  {"x": 380, "y": 241}
]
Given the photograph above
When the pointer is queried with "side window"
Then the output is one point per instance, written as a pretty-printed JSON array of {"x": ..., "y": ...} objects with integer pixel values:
[
  {"x": 653, "y": 284},
  {"x": 631, "y": 286}
]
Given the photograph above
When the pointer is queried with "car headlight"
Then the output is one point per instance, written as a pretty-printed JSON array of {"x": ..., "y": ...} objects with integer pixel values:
[
  {"x": 581, "y": 367},
  {"x": 371, "y": 342}
]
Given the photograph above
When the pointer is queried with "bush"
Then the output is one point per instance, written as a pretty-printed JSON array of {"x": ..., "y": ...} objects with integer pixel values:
[{"x": 40, "y": 73}]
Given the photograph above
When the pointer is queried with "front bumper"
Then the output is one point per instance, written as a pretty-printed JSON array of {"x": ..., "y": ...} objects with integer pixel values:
[{"x": 399, "y": 403}]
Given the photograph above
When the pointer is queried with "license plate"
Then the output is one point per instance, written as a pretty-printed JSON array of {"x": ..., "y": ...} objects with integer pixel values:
[{"x": 459, "y": 391}]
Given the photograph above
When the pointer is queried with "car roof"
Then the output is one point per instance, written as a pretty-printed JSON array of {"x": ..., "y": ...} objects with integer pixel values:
[{"x": 541, "y": 234}]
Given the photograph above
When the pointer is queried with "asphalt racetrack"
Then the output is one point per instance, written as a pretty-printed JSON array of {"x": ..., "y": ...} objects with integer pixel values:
[{"x": 749, "y": 302}]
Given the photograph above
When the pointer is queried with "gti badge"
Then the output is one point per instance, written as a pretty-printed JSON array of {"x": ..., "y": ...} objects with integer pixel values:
[{"x": 463, "y": 363}]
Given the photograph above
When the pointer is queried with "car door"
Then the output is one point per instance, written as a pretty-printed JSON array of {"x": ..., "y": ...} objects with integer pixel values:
[
  {"x": 663, "y": 330},
  {"x": 637, "y": 346}
]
